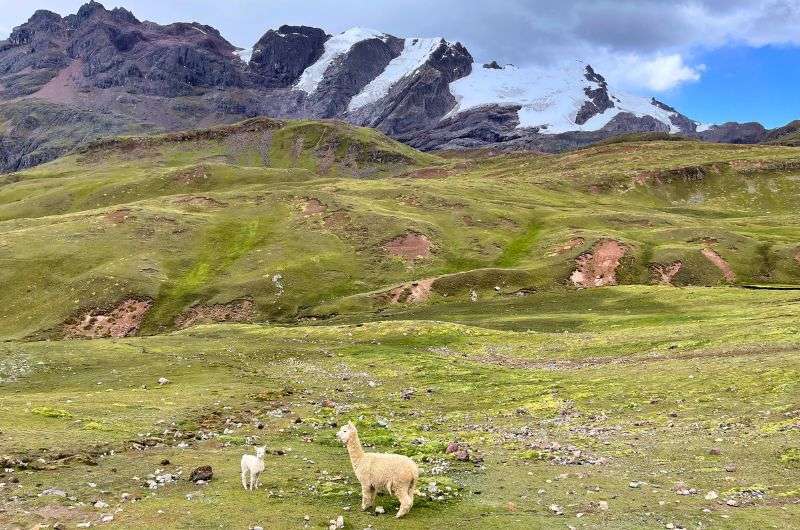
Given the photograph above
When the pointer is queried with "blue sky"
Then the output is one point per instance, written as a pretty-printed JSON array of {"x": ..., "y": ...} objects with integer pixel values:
[{"x": 714, "y": 60}]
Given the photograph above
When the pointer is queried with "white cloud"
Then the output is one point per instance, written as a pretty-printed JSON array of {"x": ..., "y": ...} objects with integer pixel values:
[{"x": 666, "y": 71}]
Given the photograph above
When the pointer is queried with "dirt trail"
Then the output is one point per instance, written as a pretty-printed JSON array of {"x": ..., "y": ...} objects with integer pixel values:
[
  {"x": 712, "y": 256},
  {"x": 594, "y": 362},
  {"x": 598, "y": 267}
]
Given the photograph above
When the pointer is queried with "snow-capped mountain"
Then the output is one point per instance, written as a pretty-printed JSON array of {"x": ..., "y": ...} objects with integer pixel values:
[{"x": 106, "y": 72}]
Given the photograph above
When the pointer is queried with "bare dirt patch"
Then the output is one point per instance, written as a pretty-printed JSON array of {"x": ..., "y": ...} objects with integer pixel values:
[
  {"x": 313, "y": 207},
  {"x": 199, "y": 202},
  {"x": 337, "y": 221},
  {"x": 409, "y": 247},
  {"x": 663, "y": 274},
  {"x": 797, "y": 256},
  {"x": 409, "y": 293},
  {"x": 236, "y": 311},
  {"x": 122, "y": 321},
  {"x": 119, "y": 216},
  {"x": 191, "y": 175},
  {"x": 712, "y": 256},
  {"x": 598, "y": 267}
]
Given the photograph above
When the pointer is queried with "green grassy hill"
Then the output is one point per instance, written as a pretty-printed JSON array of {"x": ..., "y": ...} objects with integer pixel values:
[
  {"x": 576, "y": 321},
  {"x": 315, "y": 219}
]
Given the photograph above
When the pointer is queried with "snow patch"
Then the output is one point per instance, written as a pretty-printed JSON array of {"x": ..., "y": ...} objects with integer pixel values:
[
  {"x": 334, "y": 47},
  {"x": 415, "y": 53},
  {"x": 244, "y": 54},
  {"x": 550, "y": 99}
]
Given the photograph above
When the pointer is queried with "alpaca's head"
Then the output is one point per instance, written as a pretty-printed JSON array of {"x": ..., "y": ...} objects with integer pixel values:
[
  {"x": 347, "y": 432},
  {"x": 261, "y": 451}
]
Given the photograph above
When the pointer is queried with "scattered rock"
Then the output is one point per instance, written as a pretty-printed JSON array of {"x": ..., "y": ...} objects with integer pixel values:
[
  {"x": 715, "y": 451},
  {"x": 163, "y": 381},
  {"x": 379, "y": 510},
  {"x": 407, "y": 393},
  {"x": 204, "y": 473},
  {"x": 711, "y": 495}
]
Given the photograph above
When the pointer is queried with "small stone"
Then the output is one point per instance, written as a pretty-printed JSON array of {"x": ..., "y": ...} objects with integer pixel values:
[
  {"x": 165, "y": 462},
  {"x": 328, "y": 404},
  {"x": 730, "y": 468},
  {"x": 202, "y": 473},
  {"x": 101, "y": 504},
  {"x": 462, "y": 455},
  {"x": 107, "y": 518},
  {"x": 379, "y": 510},
  {"x": 732, "y": 502},
  {"x": 556, "y": 509},
  {"x": 715, "y": 451},
  {"x": 711, "y": 495},
  {"x": 603, "y": 505},
  {"x": 83, "y": 525},
  {"x": 635, "y": 484}
]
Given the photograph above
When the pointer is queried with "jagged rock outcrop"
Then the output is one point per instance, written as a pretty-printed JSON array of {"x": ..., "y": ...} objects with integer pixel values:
[{"x": 280, "y": 56}]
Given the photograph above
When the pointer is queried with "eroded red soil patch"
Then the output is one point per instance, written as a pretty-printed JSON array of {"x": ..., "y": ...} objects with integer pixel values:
[
  {"x": 598, "y": 267},
  {"x": 119, "y": 216},
  {"x": 664, "y": 274},
  {"x": 236, "y": 311},
  {"x": 121, "y": 321},
  {"x": 712, "y": 256},
  {"x": 409, "y": 247},
  {"x": 410, "y": 293}
]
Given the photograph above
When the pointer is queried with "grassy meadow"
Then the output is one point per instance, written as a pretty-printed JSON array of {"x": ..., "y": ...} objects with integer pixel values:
[{"x": 292, "y": 276}]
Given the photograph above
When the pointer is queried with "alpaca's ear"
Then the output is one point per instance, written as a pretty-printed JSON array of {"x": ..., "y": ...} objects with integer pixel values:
[{"x": 351, "y": 424}]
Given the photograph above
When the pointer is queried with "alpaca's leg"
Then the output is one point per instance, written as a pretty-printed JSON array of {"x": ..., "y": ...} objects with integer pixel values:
[
  {"x": 406, "y": 497},
  {"x": 252, "y": 481},
  {"x": 367, "y": 496},
  {"x": 244, "y": 478},
  {"x": 258, "y": 480}
]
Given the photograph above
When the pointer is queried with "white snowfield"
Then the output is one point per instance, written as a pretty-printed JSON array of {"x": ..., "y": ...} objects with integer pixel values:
[
  {"x": 334, "y": 47},
  {"x": 415, "y": 53},
  {"x": 549, "y": 99}
]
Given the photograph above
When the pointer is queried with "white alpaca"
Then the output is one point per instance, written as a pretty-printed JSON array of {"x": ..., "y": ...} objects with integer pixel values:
[
  {"x": 395, "y": 474},
  {"x": 253, "y": 465}
]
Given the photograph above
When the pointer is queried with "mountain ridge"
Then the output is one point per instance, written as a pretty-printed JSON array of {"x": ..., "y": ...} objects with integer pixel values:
[{"x": 68, "y": 80}]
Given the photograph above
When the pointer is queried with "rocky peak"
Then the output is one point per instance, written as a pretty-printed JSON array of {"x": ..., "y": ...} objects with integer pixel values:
[
  {"x": 280, "y": 57},
  {"x": 599, "y": 100}
]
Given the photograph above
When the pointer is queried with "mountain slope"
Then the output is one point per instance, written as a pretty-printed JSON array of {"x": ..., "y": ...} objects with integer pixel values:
[{"x": 103, "y": 72}]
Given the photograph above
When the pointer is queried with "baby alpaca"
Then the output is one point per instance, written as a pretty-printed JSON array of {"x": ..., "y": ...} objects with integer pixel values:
[
  {"x": 254, "y": 465},
  {"x": 395, "y": 474}
]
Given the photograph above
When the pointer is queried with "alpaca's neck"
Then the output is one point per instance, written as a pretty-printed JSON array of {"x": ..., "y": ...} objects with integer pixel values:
[{"x": 354, "y": 449}]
